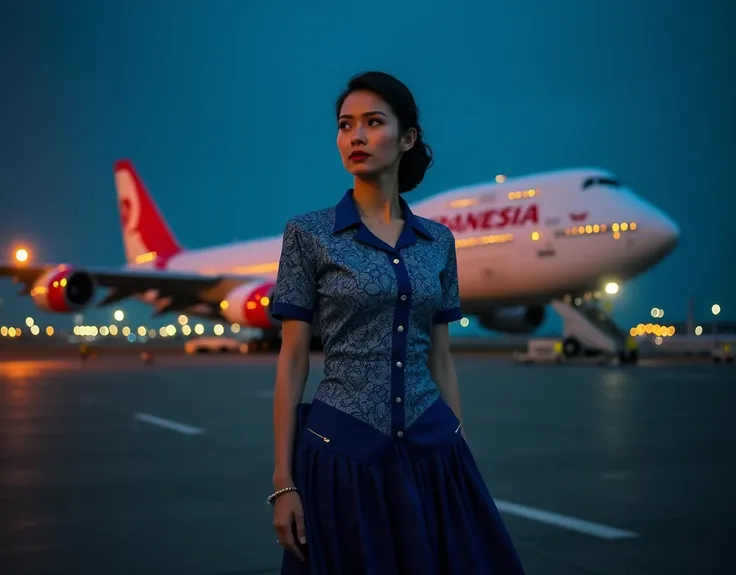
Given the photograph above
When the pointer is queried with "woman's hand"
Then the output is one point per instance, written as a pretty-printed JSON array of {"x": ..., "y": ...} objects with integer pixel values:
[{"x": 288, "y": 511}]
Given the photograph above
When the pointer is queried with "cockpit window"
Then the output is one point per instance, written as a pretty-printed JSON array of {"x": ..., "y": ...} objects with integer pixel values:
[{"x": 601, "y": 181}]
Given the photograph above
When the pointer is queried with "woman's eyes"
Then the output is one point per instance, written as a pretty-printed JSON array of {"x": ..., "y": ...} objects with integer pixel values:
[{"x": 371, "y": 122}]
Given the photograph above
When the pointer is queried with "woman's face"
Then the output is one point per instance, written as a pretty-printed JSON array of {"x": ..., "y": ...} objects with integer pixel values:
[{"x": 368, "y": 135}]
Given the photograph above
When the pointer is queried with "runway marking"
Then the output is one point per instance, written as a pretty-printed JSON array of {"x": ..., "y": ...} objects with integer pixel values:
[
  {"x": 169, "y": 424},
  {"x": 573, "y": 524}
]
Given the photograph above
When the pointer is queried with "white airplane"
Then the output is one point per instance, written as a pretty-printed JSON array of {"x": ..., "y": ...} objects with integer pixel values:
[{"x": 521, "y": 244}]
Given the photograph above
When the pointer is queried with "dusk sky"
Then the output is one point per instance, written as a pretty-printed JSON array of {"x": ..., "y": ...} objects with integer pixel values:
[{"x": 226, "y": 109}]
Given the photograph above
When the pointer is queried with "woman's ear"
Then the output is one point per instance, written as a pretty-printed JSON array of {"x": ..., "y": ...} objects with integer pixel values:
[{"x": 408, "y": 140}]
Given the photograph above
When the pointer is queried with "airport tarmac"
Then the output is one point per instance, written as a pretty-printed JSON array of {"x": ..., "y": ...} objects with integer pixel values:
[{"x": 115, "y": 467}]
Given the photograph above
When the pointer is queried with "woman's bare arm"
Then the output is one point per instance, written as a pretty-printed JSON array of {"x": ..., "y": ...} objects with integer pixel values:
[
  {"x": 292, "y": 370},
  {"x": 442, "y": 368}
]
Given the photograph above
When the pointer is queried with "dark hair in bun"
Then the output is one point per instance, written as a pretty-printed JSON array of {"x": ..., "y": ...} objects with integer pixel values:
[{"x": 415, "y": 162}]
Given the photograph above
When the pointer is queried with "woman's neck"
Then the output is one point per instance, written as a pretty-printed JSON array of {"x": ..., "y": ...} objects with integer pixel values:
[{"x": 378, "y": 199}]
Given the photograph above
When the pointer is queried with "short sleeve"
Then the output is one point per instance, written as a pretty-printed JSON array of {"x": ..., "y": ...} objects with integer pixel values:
[
  {"x": 295, "y": 294},
  {"x": 449, "y": 310}
]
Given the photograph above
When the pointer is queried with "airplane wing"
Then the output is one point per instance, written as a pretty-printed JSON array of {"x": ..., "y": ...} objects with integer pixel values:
[{"x": 180, "y": 290}]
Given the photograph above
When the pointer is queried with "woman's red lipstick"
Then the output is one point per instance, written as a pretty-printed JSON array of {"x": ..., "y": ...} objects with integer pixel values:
[{"x": 359, "y": 155}]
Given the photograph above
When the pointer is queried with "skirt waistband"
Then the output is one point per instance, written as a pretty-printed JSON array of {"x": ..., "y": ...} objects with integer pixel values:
[{"x": 321, "y": 426}]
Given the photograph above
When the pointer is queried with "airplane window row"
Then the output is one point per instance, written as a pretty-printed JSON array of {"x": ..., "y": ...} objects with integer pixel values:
[
  {"x": 462, "y": 203},
  {"x": 614, "y": 229},
  {"x": 521, "y": 194},
  {"x": 467, "y": 202},
  {"x": 484, "y": 240},
  {"x": 601, "y": 181}
]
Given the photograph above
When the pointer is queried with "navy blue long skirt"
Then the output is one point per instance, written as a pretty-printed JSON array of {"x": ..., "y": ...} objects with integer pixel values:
[{"x": 379, "y": 505}]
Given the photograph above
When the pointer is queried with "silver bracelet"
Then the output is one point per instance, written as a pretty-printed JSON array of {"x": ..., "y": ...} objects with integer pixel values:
[{"x": 270, "y": 499}]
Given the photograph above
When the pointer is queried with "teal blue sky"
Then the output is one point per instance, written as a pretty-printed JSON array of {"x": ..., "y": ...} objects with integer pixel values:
[{"x": 226, "y": 108}]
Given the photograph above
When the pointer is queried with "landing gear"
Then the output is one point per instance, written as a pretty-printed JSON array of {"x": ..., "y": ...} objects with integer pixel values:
[{"x": 269, "y": 342}]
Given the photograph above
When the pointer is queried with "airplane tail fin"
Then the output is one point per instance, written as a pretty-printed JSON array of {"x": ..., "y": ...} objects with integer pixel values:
[{"x": 147, "y": 237}]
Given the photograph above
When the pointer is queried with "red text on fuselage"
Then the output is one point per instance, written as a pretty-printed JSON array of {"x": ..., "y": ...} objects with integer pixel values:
[{"x": 495, "y": 219}]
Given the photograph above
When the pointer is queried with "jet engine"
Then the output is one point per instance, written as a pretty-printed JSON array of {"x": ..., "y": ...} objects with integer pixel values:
[
  {"x": 249, "y": 305},
  {"x": 63, "y": 290},
  {"x": 514, "y": 320}
]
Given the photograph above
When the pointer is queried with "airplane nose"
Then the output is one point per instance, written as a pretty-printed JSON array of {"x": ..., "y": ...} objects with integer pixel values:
[{"x": 666, "y": 233}]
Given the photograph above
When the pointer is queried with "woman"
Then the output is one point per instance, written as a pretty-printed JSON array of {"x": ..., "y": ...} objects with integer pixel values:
[{"x": 374, "y": 476}]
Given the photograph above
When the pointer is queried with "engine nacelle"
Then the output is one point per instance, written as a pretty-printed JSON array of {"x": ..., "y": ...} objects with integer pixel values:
[
  {"x": 63, "y": 290},
  {"x": 250, "y": 305},
  {"x": 521, "y": 319}
]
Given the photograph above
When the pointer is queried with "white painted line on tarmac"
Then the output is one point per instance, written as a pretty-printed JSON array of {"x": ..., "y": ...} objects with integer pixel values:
[
  {"x": 169, "y": 424},
  {"x": 573, "y": 524}
]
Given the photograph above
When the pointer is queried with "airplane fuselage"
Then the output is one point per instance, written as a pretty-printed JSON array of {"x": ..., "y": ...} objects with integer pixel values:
[{"x": 523, "y": 242}]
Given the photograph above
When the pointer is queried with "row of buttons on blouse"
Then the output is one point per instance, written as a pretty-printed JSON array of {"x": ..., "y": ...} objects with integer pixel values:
[{"x": 398, "y": 363}]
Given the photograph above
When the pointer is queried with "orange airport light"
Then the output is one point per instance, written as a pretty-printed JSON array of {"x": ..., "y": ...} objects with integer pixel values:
[{"x": 22, "y": 255}]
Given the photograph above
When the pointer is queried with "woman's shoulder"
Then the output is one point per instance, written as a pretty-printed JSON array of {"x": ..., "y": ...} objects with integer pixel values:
[
  {"x": 312, "y": 223},
  {"x": 439, "y": 231}
]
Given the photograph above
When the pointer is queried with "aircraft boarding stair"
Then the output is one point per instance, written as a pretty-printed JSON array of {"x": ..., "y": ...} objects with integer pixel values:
[{"x": 588, "y": 330}]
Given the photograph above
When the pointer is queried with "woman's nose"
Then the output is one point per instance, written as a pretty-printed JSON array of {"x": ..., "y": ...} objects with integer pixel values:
[{"x": 358, "y": 136}]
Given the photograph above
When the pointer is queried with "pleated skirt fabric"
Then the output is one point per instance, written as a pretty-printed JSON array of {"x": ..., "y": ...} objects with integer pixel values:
[{"x": 379, "y": 505}]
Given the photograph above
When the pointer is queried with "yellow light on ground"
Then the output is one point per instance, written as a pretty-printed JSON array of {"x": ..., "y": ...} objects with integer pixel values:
[
  {"x": 35, "y": 330},
  {"x": 219, "y": 330},
  {"x": 49, "y": 331},
  {"x": 29, "y": 321},
  {"x": 611, "y": 288},
  {"x": 183, "y": 319},
  {"x": 199, "y": 329},
  {"x": 699, "y": 330}
]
